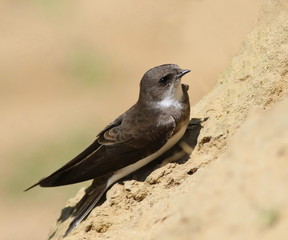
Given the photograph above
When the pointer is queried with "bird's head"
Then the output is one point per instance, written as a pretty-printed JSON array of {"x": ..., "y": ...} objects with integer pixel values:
[{"x": 162, "y": 85}]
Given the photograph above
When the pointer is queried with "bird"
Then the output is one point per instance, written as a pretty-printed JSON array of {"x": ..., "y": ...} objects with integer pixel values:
[{"x": 154, "y": 124}]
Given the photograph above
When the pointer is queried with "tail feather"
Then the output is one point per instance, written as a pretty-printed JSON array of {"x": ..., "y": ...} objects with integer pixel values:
[{"x": 86, "y": 205}]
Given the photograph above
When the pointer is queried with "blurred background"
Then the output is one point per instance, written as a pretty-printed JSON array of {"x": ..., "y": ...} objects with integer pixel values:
[{"x": 68, "y": 68}]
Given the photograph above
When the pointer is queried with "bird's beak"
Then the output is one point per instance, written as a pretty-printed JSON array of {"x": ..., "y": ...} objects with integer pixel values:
[{"x": 182, "y": 73}]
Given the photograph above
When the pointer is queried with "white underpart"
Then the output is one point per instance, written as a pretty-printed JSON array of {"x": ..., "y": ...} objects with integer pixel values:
[
  {"x": 133, "y": 167},
  {"x": 172, "y": 97}
]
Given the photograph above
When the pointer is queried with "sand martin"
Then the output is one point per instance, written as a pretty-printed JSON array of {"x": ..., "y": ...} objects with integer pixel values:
[{"x": 148, "y": 129}]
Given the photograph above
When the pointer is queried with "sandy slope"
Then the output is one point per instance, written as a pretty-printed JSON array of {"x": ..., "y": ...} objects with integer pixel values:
[{"x": 235, "y": 183}]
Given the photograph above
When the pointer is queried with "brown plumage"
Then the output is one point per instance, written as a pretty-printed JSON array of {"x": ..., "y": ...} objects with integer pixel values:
[{"x": 133, "y": 139}]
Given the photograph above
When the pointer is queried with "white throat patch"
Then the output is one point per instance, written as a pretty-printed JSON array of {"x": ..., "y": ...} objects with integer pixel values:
[{"x": 172, "y": 98}]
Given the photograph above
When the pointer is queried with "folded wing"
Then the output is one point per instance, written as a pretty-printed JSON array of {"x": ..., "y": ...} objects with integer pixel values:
[{"x": 117, "y": 146}]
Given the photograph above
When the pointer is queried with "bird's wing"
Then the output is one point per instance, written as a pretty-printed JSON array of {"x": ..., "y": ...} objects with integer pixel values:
[
  {"x": 81, "y": 156},
  {"x": 118, "y": 145}
]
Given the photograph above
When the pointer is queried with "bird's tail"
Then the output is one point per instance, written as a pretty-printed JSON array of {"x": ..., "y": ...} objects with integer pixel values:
[{"x": 86, "y": 204}]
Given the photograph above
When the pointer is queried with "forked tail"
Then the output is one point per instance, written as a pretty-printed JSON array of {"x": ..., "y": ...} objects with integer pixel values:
[{"x": 86, "y": 204}]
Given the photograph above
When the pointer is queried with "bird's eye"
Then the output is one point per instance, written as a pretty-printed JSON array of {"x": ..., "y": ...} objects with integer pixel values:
[{"x": 164, "y": 80}]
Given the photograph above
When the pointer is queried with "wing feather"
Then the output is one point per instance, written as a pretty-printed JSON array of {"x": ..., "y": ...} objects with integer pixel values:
[{"x": 118, "y": 145}]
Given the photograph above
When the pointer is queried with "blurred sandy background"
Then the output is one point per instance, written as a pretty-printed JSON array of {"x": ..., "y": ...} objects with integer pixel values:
[{"x": 67, "y": 68}]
